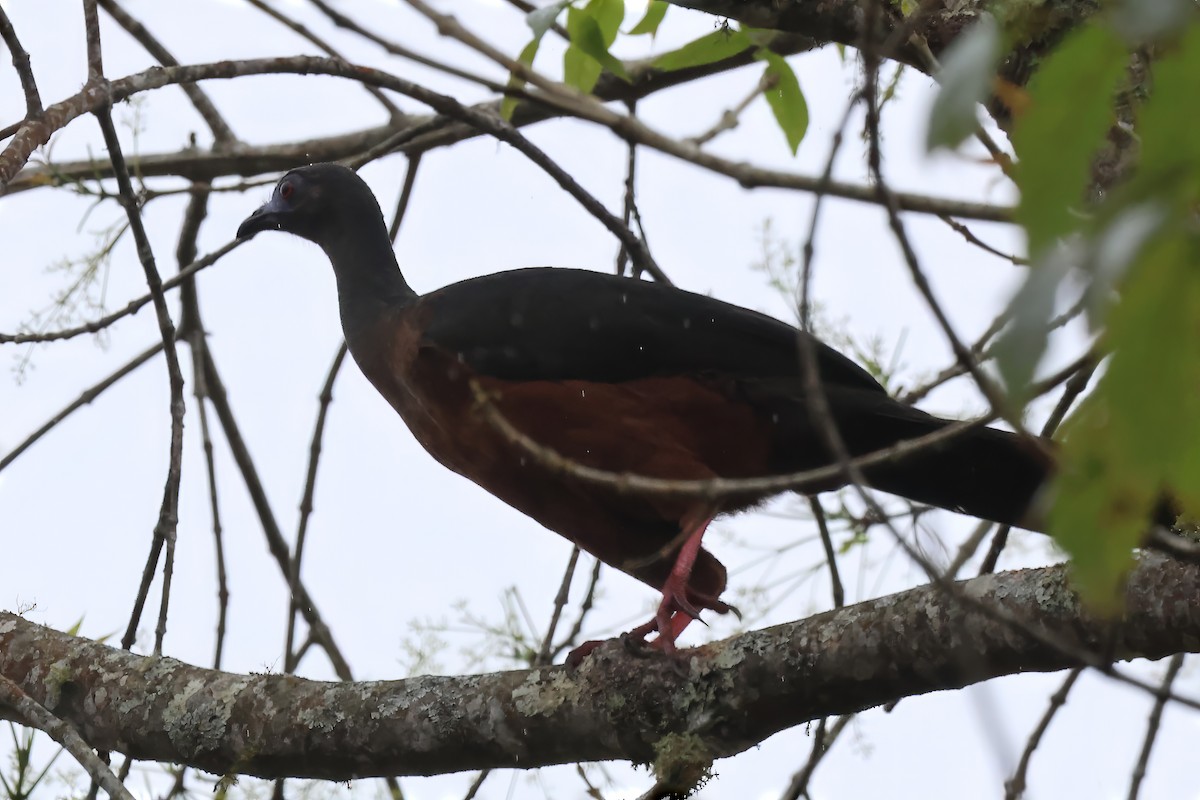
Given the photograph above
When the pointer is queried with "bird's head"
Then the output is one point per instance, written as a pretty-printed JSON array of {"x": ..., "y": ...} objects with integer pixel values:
[{"x": 315, "y": 203}]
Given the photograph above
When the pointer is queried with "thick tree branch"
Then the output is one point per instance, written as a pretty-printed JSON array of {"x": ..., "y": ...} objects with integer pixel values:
[
  {"x": 724, "y": 697},
  {"x": 1035, "y": 27}
]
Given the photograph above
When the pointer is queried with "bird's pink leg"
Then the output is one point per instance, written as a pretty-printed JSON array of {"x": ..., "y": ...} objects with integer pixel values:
[{"x": 676, "y": 611}]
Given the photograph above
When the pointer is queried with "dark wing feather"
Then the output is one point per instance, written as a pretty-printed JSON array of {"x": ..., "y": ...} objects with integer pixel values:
[{"x": 563, "y": 324}]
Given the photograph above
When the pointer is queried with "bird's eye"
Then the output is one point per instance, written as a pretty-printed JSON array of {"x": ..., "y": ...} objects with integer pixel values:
[{"x": 286, "y": 190}]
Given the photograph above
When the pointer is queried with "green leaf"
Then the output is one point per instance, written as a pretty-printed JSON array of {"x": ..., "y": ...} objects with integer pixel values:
[
  {"x": 1135, "y": 438},
  {"x": 1169, "y": 164},
  {"x": 966, "y": 76},
  {"x": 589, "y": 38},
  {"x": 707, "y": 49},
  {"x": 540, "y": 19},
  {"x": 1023, "y": 342},
  {"x": 509, "y": 104},
  {"x": 655, "y": 11},
  {"x": 785, "y": 98},
  {"x": 1071, "y": 110},
  {"x": 1097, "y": 515},
  {"x": 592, "y": 29},
  {"x": 1115, "y": 248},
  {"x": 580, "y": 70},
  {"x": 609, "y": 14}
]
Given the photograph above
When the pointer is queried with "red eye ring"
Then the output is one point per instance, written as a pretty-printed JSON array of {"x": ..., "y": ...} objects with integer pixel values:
[{"x": 286, "y": 190}]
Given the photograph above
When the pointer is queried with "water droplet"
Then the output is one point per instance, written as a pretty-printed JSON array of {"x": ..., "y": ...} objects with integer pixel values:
[
  {"x": 624, "y": 298},
  {"x": 687, "y": 323},
  {"x": 522, "y": 461},
  {"x": 594, "y": 323}
]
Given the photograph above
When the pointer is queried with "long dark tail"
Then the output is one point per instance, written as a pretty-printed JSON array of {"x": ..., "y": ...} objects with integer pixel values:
[
  {"x": 987, "y": 473},
  {"x": 983, "y": 472}
]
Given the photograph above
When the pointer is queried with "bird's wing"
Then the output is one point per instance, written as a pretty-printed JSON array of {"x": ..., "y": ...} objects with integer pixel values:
[{"x": 561, "y": 324}]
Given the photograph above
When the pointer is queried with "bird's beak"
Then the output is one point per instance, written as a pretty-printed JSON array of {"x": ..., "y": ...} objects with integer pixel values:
[{"x": 267, "y": 217}]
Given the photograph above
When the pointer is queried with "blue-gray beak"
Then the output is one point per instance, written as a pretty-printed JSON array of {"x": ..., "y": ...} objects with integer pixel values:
[{"x": 267, "y": 217}]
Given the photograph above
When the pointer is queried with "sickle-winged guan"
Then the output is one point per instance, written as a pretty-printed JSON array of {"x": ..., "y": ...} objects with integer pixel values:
[{"x": 623, "y": 375}]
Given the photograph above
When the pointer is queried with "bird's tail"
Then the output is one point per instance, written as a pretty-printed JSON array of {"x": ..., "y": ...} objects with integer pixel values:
[{"x": 984, "y": 472}]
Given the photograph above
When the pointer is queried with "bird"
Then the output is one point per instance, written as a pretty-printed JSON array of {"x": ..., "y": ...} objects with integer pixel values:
[{"x": 625, "y": 376}]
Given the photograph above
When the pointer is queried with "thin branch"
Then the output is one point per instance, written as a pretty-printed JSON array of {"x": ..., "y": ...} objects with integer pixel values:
[
  {"x": 560, "y": 602},
  {"x": 168, "y": 516},
  {"x": 1014, "y": 787},
  {"x": 1074, "y": 387},
  {"x": 223, "y": 135},
  {"x": 84, "y": 399},
  {"x": 342, "y": 21},
  {"x": 34, "y": 714},
  {"x": 971, "y": 238},
  {"x": 291, "y": 661},
  {"x": 95, "y": 59},
  {"x": 262, "y": 507},
  {"x": 130, "y": 308},
  {"x": 1160, "y": 703},
  {"x": 20, "y": 61},
  {"x": 839, "y": 593},
  {"x": 410, "y": 180},
  {"x": 729, "y": 118},
  {"x": 394, "y": 112},
  {"x": 823, "y": 740},
  {"x": 571, "y": 640},
  {"x": 747, "y": 175},
  {"x": 715, "y": 488}
]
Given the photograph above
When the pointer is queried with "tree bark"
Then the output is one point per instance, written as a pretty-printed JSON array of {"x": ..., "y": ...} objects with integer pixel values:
[{"x": 709, "y": 702}]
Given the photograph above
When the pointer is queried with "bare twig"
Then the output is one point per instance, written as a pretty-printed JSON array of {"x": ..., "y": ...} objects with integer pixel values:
[
  {"x": 222, "y": 134},
  {"x": 394, "y": 113},
  {"x": 589, "y": 597},
  {"x": 1152, "y": 725},
  {"x": 20, "y": 61},
  {"x": 1014, "y": 787},
  {"x": 342, "y": 21},
  {"x": 84, "y": 399},
  {"x": 168, "y": 517},
  {"x": 15, "y": 155},
  {"x": 36, "y": 715},
  {"x": 410, "y": 180},
  {"x": 1074, "y": 387},
  {"x": 823, "y": 739},
  {"x": 130, "y": 308},
  {"x": 291, "y": 661},
  {"x": 258, "y": 497},
  {"x": 839, "y": 594},
  {"x": 729, "y": 118},
  {"x": 970, "y": 236},
  {"x": 560, "y": 602},
  {"x": 715, "y": 488}
]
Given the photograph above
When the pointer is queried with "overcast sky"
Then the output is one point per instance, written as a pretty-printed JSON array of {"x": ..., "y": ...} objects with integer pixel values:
[{"x": 397, "y": 540}]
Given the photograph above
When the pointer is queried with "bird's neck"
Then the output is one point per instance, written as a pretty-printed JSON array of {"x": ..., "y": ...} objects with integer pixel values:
[{"x": 369, "y": 281}]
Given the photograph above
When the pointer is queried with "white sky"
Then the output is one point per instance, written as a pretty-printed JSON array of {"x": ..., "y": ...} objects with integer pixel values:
[{"x": 396, "y": 538}]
